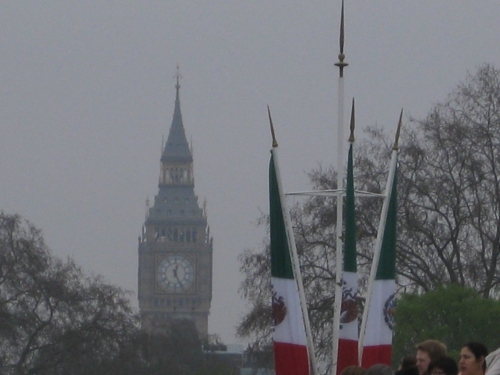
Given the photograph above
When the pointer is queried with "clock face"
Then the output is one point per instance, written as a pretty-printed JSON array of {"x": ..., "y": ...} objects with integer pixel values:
[{"x": 175, "y": 273}]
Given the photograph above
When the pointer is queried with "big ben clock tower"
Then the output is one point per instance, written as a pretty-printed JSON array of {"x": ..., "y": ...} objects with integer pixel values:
[{"x": 175, "y": 248}]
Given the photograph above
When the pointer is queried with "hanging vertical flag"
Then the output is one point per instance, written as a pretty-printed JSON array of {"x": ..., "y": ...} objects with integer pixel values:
[
  {"x": 378, "y": 336},
  {"x": 290, "y": 344},
  {"x": 379, "y": 320},
  {"x": 348, "y": 333}
]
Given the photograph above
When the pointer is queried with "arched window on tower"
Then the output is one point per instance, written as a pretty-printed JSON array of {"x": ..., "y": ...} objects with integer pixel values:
[{"x": 172, "y": 175}]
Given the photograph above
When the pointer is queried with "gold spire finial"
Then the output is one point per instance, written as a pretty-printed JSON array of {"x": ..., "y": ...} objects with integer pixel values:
[
  {"x": 341, "y": 64},
  {"x": 398, "y": 131},
  {"x": 352, "y": 126},
  {"x": 275, "y": 143}
]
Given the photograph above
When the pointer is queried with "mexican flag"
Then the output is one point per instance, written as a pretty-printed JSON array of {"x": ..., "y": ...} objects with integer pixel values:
[
  {"x": 377, "y": 346},
  {"x": 290, "y": 344},
  {"x": 348, "y": 333}
]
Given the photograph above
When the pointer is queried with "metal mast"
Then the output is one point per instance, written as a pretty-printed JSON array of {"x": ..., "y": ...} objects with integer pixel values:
[{"x": 341, "y": 64}]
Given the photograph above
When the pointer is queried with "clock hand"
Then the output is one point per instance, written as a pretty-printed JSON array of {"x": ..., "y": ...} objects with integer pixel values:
[
  {"x": 177, "y": 277},
  {"x": 175, "y": 273},
  {"x": 175, "y": 270}
]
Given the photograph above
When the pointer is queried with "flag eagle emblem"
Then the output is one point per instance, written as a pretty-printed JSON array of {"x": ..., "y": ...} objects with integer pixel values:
[
  {"x": 389, "y": 310},
  {"x": 349, "y": 309},
  {"x": 279, "y": 309}
]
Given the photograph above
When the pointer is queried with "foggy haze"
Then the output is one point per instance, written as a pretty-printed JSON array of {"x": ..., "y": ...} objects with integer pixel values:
[{"x": 87, "y": 91}]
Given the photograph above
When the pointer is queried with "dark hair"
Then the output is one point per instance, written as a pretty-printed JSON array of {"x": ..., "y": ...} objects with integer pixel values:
[
  {"x": 379, "y": 369},
  {"x": 408, "y": 365},
  {"x": 353, "y": 370},
  {"x": 408, "y": 360},
  {"x": 447, "y": 364},
  {"x": 479, "y": 350},
  {"x": 434, "y": 348},
  {"x": 408, "y": 370}
]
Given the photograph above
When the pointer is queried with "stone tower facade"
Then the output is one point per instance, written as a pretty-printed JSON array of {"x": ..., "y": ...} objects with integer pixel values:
[{"x": 175, "y": 247}]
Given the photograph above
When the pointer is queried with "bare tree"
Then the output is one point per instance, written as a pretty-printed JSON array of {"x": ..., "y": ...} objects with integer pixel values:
[
  {"x": 448, "y": 210},
  {"x": 53, "y": 318},
  {"x": 450, "y": 190}
]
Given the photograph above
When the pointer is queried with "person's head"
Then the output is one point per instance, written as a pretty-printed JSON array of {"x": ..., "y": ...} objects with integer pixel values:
[
  {"x": 407, "y": 361},
  {"x": 409, "y": 370},
  {"x": 443, "y": 366},
  {"x": 353, "y": 370},
  {"x": 472, "y": 358},
  {"x": 408, "y": 365},
  {"x": 379, "y": 369},
  {"x": 429, "y": 351}
]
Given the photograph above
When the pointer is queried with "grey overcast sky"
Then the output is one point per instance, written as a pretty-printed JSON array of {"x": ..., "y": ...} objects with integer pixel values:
[{"x": 87, "y": 91}]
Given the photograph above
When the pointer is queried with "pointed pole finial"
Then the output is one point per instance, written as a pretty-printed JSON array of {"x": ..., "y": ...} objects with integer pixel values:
[
  {"x": 352, "y": 126},
  {"x": 341, "y": 63},
  {"x": 398, "y": 131},
  {"x": 177, "y": 77},
  {"x": 341, "y": 37},
  {"x": 275, "y": 142}
]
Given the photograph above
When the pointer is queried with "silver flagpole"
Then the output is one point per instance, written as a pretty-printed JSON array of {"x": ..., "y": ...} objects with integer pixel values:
[{"x": 340, "y": 178}]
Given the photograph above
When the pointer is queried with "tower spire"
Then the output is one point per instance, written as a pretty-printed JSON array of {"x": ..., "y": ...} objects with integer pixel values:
[
  {"x": 177, "y": 148},
  {"x": 178, "y": 77}
]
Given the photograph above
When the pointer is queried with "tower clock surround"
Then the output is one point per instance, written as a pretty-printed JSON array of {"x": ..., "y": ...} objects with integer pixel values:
[{"x": 175, "y": 273}]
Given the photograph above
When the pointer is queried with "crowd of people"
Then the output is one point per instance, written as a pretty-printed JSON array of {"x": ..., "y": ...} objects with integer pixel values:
[{"x": 431, "y": 358}]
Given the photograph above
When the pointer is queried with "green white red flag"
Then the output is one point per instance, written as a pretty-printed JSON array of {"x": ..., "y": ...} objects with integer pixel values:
[
  {"x": 377, "y": 343},
  {"x": 349, "y": 327},
  {"x": 290, "y": 343}
]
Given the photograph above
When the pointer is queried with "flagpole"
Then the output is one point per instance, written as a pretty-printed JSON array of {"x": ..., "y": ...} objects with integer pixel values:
[
  {"x": 340, "y": 158},
  {"x": 380, "y": 235},
  {"x": 347, "y": 354},
  {"x": 293, "y": 251}
]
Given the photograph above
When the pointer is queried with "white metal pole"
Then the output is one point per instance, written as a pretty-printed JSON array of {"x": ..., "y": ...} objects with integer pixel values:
[
  {"x": 340, "y": 178},
  {"x": 339, "y": 242}
]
